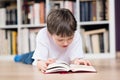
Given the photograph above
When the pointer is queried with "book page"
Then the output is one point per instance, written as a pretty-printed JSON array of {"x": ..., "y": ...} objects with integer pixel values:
[
  {"x": 57, "y": 67},
  {"x": 75, "y": 68}
]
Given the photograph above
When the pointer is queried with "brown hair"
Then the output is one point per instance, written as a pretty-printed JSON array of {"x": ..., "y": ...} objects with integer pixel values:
[{"x": 61, "y": 22}]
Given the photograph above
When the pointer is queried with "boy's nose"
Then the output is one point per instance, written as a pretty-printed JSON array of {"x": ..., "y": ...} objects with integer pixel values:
[{"x": 65, "y": 44}]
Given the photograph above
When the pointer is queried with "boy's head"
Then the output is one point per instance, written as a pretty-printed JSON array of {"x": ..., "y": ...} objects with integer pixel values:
[{"x": 61, "y": 24}]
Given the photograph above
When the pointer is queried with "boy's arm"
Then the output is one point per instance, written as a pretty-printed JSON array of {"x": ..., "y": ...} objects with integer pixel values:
[{"x": 79, "y": 61}]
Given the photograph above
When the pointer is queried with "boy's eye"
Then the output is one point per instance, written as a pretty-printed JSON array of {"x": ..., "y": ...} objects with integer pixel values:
[{"x": 70, "y": 38}]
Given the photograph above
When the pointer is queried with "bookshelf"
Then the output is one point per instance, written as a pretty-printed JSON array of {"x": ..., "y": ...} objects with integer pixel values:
[
  {"x": 102, "y": 18},
  {"x": 91, "y": 15}
]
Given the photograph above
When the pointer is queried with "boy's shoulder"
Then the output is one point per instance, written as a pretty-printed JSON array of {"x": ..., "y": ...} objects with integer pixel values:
[
  {"x": 43, "y": 29},
  {"x": 42, "y": 34},
  {"x": 77, "y": 35}
]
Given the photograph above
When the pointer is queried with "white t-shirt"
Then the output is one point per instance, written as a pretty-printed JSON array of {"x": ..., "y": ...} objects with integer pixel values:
[{"x": 46, "y": 48}]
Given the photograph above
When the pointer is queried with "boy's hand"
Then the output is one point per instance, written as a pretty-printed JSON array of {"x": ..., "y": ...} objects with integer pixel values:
[
  {"x": 81, "y": 62},
  {"x": 42, "y": 65}
]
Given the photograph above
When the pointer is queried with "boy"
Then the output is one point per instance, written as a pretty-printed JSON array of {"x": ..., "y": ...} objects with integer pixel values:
[{"x": 59, "y": 41}]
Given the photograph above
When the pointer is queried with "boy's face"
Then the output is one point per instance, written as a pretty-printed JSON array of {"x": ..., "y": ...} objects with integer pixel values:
[{"x": 62, "y": 41}]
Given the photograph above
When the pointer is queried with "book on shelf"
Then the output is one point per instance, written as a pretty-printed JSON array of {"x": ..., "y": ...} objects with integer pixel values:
[
  {"x": 4, "y": 50},
  {"x": 36, "y": 13},
  {"x": 69, "y": 4},
  {"x": 30, "y": 14},
  {"x": 102, "y": 9},
  {"x": 96, "y": 41},
  {"x": 42, "y": 11},
  {"x": 14, "y": 42},
  {"x": 32, "y": 41},
  {"x": 29, "y": 39},
  {"x": 86, "y": 10},
  {"x": 11, "y": 14},
  {"x": 25, "y": 40},
  {"x": 64, "y": 67},
  {"x": 107, "y": 10},
  {"x": 33, "y": 12},
  {"x": 8, "y": 39},
  {"x": 8, "y": 16},
  {"x": 3, "y": 17},
  {"x": 56, "y": 4},
  {"x": 92, "y": 10},
  {"x": 93, "y": 13}
]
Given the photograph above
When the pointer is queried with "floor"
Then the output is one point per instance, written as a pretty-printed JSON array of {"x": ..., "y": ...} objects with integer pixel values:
[{"x": 107, "y": 69}]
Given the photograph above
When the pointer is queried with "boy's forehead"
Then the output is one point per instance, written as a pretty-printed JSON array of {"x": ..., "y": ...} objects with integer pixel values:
[{"x": 60, "y": 36}]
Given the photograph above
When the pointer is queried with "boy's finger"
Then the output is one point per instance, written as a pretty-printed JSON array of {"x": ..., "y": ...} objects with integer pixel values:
[
  {"x": 49, "y": 61},
  {"x": 82, "y": 62},
  {"x": 89, "y": 63},
  {"x": 42, "y": 71}
]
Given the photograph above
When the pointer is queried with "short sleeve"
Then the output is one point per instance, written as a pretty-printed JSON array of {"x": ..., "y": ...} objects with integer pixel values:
[{"x": 41, "y": 51}]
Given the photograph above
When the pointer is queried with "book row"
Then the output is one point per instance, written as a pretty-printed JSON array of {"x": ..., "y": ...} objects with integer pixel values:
[
  {"x": 96, "y": 40},
  {"x": 35, "y": 12}
]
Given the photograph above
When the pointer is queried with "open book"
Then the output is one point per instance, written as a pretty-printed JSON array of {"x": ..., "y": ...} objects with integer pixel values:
[{"x": 64, "y": 67}]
